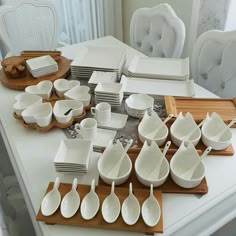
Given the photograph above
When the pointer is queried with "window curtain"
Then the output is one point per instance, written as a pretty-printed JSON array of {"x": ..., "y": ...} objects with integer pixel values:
[{"x": 83, "y": 20}]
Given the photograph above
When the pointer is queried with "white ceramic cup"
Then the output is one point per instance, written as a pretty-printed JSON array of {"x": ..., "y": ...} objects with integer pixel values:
[
  {"x": 87, "y": 128},
  {"x": 102, "y": 113}
]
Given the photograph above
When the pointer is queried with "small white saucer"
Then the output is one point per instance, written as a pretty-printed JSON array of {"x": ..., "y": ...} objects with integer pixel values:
[
  {"x": 103, "y": 138},
  {"x": 117, "y": 122}
]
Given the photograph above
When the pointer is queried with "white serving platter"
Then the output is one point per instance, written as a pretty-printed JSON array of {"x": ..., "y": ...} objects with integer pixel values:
[{"x": 158, "y": 87}]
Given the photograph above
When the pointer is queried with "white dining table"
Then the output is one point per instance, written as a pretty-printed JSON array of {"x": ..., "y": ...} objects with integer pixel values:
[{"x": 32, "y": 153}]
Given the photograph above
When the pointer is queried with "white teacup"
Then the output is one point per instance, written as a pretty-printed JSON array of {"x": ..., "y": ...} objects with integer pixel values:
[
  {"x": 102, "y": 113},
  {"x": 87, "y": 128}
]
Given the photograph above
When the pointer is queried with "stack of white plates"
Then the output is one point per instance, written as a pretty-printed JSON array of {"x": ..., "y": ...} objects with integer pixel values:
[
  {"x": 109, "y": 92},
  {"x": 73, "y": 156},
  {"x": 41, "y": 66},
  {"x": 137, "y": 104},
  {"x": 101, "y": 76},
  {"x": 159, "y": 68},
  {"x": 92, "y": 58}
]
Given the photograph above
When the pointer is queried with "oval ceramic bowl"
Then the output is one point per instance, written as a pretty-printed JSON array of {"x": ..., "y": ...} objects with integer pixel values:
[
  {"x": 183, "y": 160},
  {"x": 139, "y": 101},
  {"x": 64, "y": 110},
  {"x": 41, "y": 114},
  {"x": 24, "y": 100},
  {"x": 213, "y": 126},
  {"x": 183, "y": 126},
  {"x": 146, "y": 162},
  {"x": 63, "y": 85},
  {"x": 80, "y": 93},
  {"x": 106, "y": 163},
  {"x": 148, "y": 124}
]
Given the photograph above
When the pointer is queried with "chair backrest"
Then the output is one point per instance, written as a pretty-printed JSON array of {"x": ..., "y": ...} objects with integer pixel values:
[
  {"x": 157, "y": 32},
  {"x": 28, "y": 25},
  {"x": 213, "y": 62}
]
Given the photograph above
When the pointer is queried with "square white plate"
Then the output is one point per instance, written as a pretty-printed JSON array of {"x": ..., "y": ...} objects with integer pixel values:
[
  {"x": 109, "y": 88},
  {"x": 103, "y": 137}
]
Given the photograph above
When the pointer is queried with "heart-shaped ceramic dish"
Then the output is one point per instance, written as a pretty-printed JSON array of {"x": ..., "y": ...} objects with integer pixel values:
[
  {"x": 43, "y": 89},
  {"x": 24, "y": 100},
  {"x": 65, "y": 110},
  {"x": 63, "y": 85},
  {"x": 80, "y": 93},
  {"x": 41, "y": 114}
]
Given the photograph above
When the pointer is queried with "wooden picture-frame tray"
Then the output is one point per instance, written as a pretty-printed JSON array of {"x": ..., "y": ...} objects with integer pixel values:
[
  {"x": 198, "y": 107},
  {"x": 98, "y": 221},
  {"x": 168, "y": 187}
]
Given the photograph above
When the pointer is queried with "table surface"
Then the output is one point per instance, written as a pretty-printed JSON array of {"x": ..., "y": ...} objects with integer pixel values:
[{"x": 32, "y": 153}]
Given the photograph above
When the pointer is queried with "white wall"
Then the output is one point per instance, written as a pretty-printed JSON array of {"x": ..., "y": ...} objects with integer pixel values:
[{"x": 183, "y": 9}]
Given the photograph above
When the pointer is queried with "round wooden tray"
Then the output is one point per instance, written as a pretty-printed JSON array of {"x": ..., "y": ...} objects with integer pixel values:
[{"x": 22, "y": 83}]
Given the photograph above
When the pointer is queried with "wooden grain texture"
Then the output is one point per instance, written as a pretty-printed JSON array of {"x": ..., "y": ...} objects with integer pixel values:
[
  {"x": 198, "y": 107},
  {"x": 29, "y": 54},
  {"x": 98, "y": 221},
  {"x": 168, "y": 187},
  {"x": 22, "y": 83}
]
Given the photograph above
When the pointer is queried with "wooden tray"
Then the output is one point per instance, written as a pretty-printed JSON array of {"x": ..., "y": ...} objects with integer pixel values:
[
  {"x": 168, "y": 187},
  {"x": 28, "y": 54},
  {"x": 98, "y": 221},
  {"x": 198, "y": 107},
  {"x": 22, "y": 83}
]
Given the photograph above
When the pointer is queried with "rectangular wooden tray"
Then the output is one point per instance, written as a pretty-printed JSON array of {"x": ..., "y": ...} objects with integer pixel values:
[
  {"x": 168, "y": 187},
  {"x": 98, "y": 221},
  {"x": 198, "y": 107}
]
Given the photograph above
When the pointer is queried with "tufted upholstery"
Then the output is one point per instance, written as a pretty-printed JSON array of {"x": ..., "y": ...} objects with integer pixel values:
[
  {"x": 157, "y": 32},
  {"x": 213, "y": 62},
  {"x": 28, "y": 25}
]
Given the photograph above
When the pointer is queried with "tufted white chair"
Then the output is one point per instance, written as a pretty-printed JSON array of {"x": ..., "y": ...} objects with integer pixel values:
[
  {"x": 157, "y": 32},
  {"x": 28, "y": 25},
  {"x": 213, "y": 62}
]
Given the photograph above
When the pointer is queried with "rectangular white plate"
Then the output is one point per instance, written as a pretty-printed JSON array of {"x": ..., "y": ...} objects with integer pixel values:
[
  {"x": 157, "y": 87},
  {"x": 164, "y": 68}
]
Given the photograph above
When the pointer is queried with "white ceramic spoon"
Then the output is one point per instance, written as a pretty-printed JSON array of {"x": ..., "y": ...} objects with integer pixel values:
[
  {"x": 153, "y": 134},
  {"x": 90, "y": 203},
  {"x": 189, "y": 173},
  {"x": 114, "y": 172},
  {"x": 130, "y": 210},
  {"x": 156, "y": 172},
  {"x": 218, "y": 136},
  {"x": 111, "y": 206},
  {"x": 71, "y": 201},
  {"x": 151, "y": 210},
  {"x": 52, "y": 200}
]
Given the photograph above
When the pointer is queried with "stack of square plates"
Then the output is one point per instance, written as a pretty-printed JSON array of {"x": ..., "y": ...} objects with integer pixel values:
[
  {"x": 73, "y": 156},
  {"x": 92, "y": 58},
  {"x": 109, "y": 92},
  {"x": 101, "y": 76}
]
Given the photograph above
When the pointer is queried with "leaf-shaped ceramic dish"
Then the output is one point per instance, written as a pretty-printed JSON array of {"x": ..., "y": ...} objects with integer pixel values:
[
  {"x": 212, "y": 127},
  {"x": 110, "y": 156},
  {"x": 186, "y": 157},
  {"x": 148, "y": 124},
  {"x": 146, "y": 162},
  {"x": 185, "y": 129}
]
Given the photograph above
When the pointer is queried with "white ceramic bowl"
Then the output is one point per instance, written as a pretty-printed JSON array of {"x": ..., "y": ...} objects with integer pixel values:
[
  {"x": 182, "y": 126},
  {"x": 146, "y": 162},
  {"x": 105, "y": 164},
  {"x": 24, "y": 100},
  {"x": 183, "y": 160},
  {"x": 148, "y": 124},
  {"x": 212, "y": 126},
  {"x": 64, "y": 110},
  {"x": 63, "y": 85}
]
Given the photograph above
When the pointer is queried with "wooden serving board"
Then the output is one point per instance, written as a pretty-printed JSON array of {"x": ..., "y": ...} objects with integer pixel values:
[
  {"x": 198, "y": 107},
  {"x": 168, "y": 187},
  {"x": 22, "y": 83},
  {"x": 98, "y": 221}
]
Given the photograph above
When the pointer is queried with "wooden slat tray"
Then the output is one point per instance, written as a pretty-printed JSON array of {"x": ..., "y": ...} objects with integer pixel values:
[
  {"x": 28, "y": 54},
  {"x": 98, "y": 221},
  {"x": 198, "y": 107},
  {"x": 168, "y": 187},
  {"x": 22, "y": 83}
]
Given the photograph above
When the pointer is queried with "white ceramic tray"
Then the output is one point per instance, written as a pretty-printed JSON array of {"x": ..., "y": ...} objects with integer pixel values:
[
  {"x": 164, "y": 68},
  {"x": 157, "y": 87}
]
